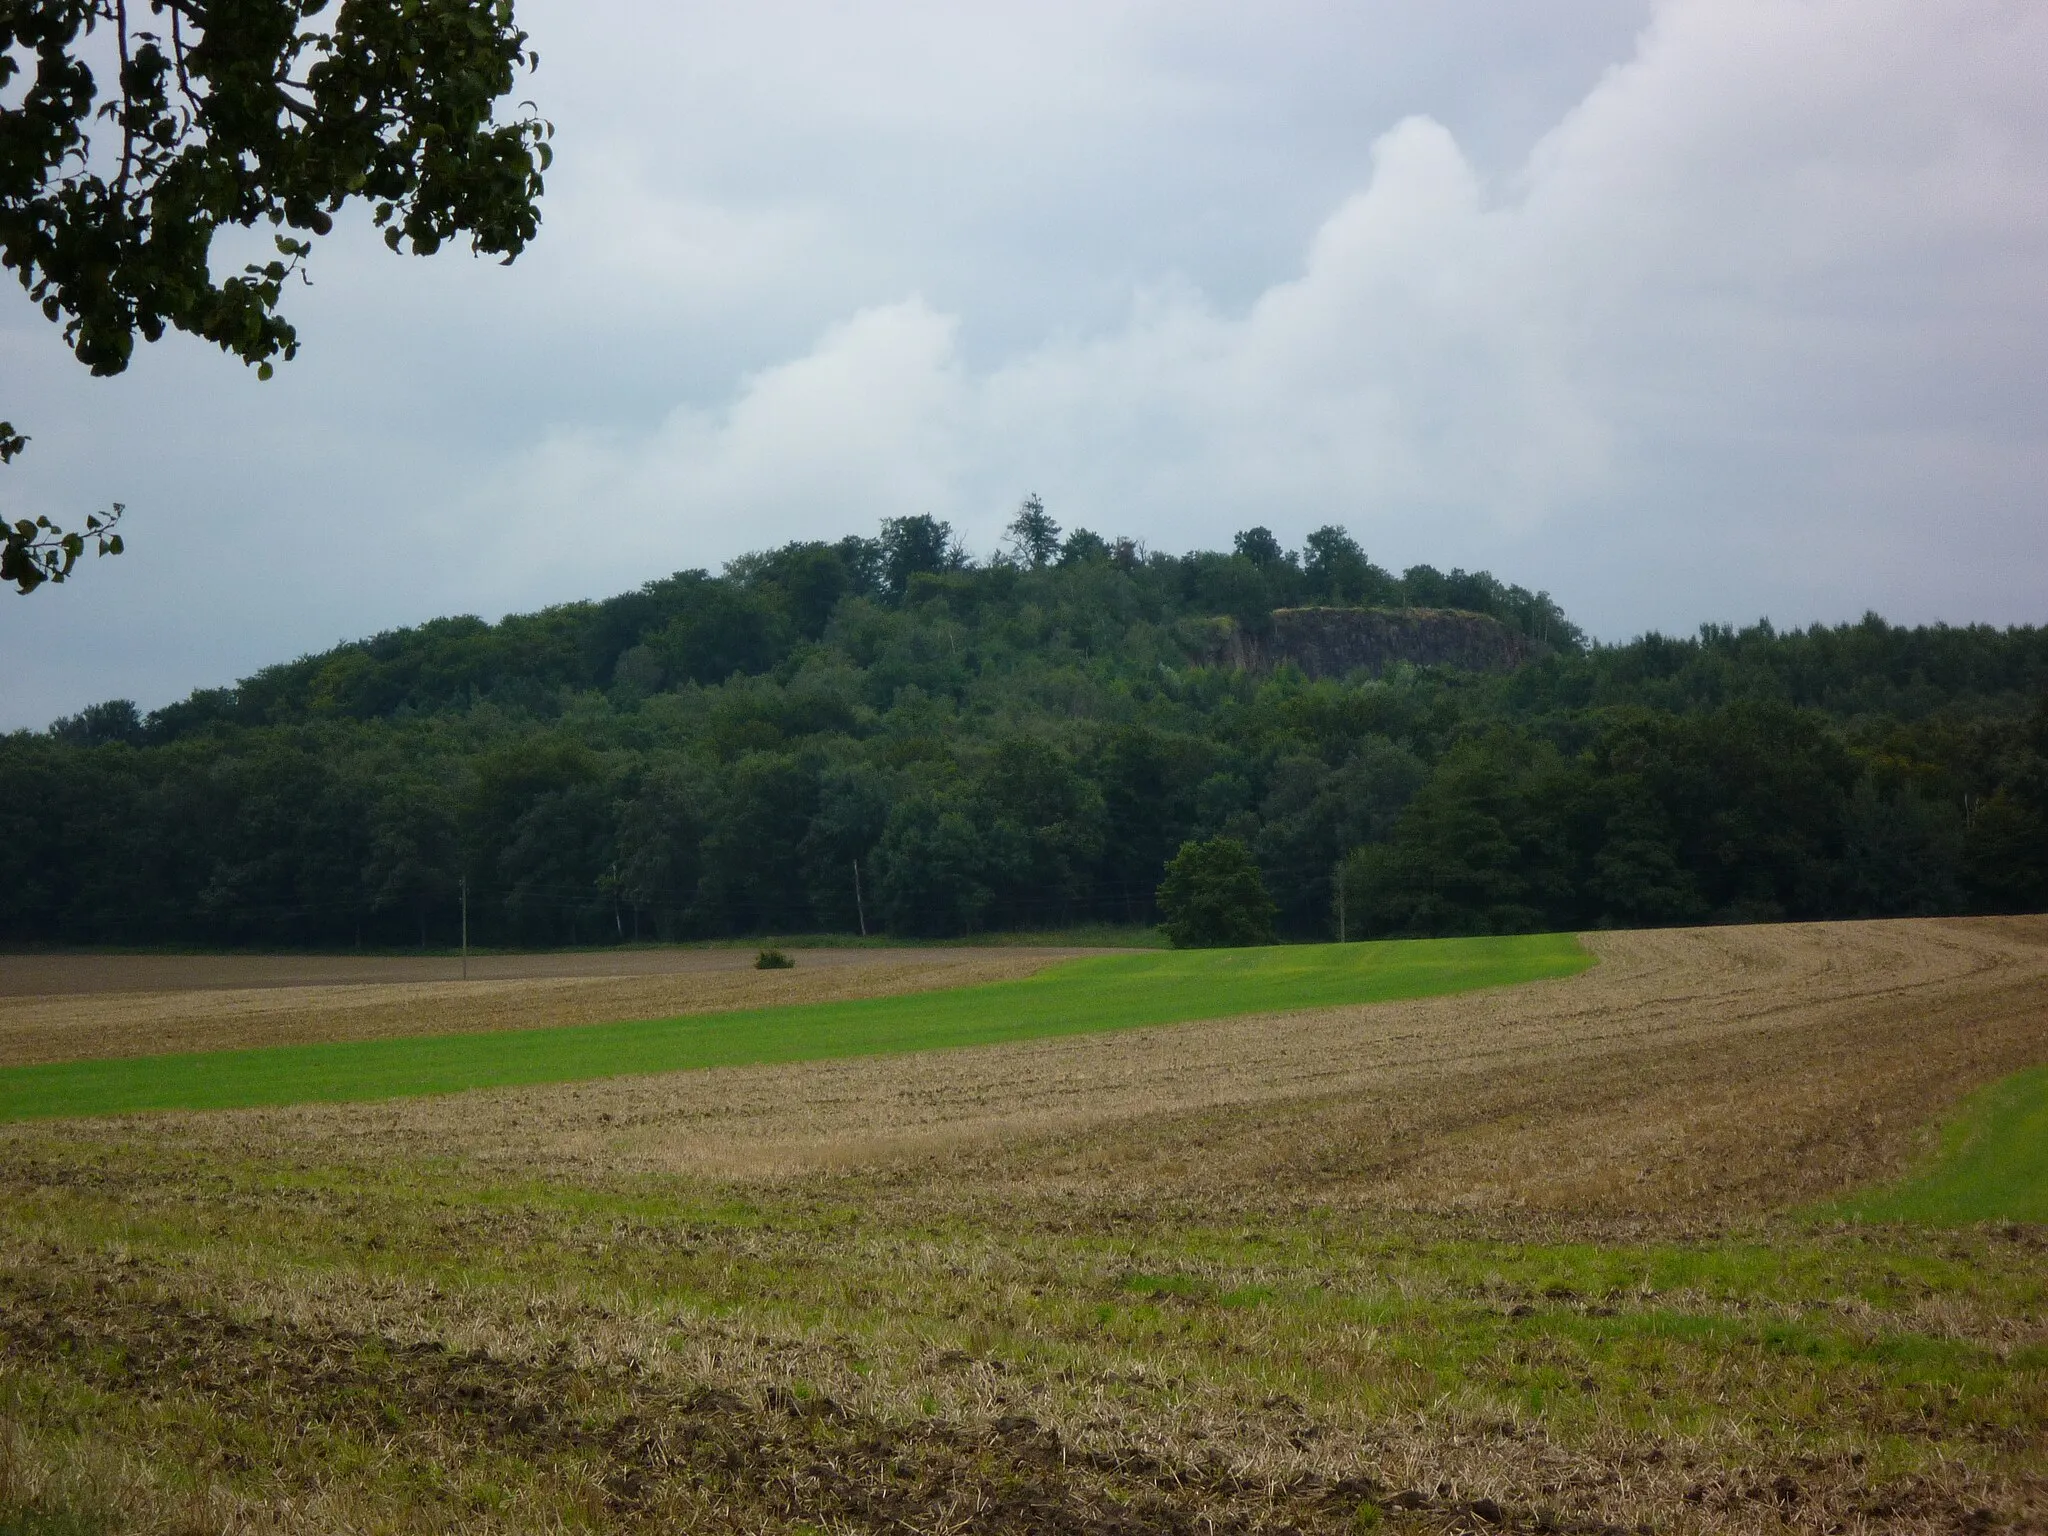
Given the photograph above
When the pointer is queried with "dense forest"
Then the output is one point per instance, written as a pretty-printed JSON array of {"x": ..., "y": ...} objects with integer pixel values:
[{"x": 883, "y": 732}]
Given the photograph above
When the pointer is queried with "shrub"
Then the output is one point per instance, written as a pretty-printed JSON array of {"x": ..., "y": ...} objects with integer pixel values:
[
  {"x": 1213, "y": 897},
  {"x": 773, "y": 960}
]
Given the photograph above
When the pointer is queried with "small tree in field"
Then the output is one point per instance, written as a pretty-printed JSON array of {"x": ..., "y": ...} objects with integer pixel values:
[{"x": 1213, "y": 897}]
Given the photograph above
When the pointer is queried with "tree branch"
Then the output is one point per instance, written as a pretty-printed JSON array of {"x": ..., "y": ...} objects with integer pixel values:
[
  {"x": 32, "y": 553},
  {"x": 178, "y": 58},
  {"x": 127, "y": 106}
]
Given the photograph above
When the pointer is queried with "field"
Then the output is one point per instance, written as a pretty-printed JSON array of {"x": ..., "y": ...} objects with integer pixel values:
[
  {"x": 1730, "y": 1232},
  {"x": 1077, "y": 996},
  {"x": 63, "y": 1008}
]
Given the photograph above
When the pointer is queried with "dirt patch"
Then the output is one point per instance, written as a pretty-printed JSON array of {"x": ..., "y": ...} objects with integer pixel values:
[
  {"x": 142, "y": 1005},
  {"x": 655, "y": 1452}
]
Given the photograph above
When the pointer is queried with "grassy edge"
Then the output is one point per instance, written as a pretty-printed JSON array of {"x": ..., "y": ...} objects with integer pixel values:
[{"x": 1989, "y": 1163}]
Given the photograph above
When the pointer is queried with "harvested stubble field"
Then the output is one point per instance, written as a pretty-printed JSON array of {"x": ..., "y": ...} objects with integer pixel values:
[{"x": 1547, "y": 1257}]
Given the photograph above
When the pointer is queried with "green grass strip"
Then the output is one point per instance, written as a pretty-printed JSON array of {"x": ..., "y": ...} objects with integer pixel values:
[
  {"x": 1992, "y": 1166},
  {"x": 1106, "y": 992}
]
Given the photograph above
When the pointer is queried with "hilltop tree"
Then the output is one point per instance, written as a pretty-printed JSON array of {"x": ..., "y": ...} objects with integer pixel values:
[
  {"x": 1034, "y": 536},
  {"x": 220, "y": 116},
  {"x": 1082, "y": 548},
  {"x": 915, "y": 546},
  {"x": 115, "y": 720},
  {"x": 1337, "y": 570},
  {"x": 1260, "y": 547}
]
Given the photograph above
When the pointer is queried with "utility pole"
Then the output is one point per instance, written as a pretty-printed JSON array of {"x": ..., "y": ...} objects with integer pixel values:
[
  {"x": 1340, "y": 904},
  {"x": 860, "y": 911},
  {"x": 465, "y": 927}
]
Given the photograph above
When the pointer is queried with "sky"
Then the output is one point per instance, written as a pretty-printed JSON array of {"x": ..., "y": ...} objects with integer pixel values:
[{"x": 1686, "y": 311}]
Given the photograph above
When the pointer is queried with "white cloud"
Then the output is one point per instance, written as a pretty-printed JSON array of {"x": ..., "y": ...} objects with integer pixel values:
[
  {"x": 859, "y": 428},
  {"x": 1400, "y": 370},
  {"x": 1781, "y": 246}
]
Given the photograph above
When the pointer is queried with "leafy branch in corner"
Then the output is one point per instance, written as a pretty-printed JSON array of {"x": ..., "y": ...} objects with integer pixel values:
[{"x": 270, "y": 112}]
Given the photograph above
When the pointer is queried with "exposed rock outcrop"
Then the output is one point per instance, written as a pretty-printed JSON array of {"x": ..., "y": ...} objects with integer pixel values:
[{"x": 1335, "y": 642}]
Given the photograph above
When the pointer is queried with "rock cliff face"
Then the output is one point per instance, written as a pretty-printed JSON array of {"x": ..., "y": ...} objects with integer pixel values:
[{"x": 1334, "y": 642}]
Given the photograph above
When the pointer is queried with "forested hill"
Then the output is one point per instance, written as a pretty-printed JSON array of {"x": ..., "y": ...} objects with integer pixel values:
[
  {"x": 906, "y": 608},
  {"x": 1024, "y": 743}
]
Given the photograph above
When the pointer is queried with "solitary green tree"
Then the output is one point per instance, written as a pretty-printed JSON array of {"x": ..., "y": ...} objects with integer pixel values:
[
  {"x": 1034, "y": 535},
  {"x": 1213, "y": 897},
  {"x": 235, "y": 115}
]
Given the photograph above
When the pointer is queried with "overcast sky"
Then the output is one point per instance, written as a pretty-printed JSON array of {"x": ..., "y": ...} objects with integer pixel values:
[{"x": 1700, "y": 310}]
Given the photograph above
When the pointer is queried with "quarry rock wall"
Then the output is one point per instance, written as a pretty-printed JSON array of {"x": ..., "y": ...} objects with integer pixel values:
[{"x": 1335, "y": 642}]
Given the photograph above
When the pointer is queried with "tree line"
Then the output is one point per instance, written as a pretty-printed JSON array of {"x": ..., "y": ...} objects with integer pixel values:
[{"x": 884, "y": 733}]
